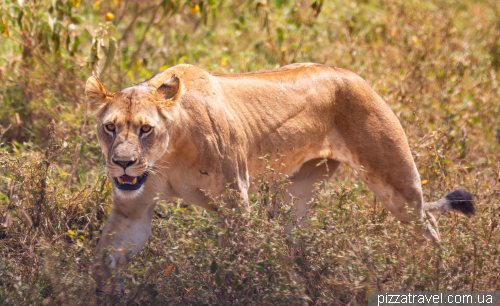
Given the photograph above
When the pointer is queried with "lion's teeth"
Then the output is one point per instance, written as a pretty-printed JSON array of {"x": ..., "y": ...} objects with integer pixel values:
[{"x": 126, "y": 179}]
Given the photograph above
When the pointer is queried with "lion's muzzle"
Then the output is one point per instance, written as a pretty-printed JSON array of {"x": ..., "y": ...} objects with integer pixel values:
[{"x": 126, "y": 182}]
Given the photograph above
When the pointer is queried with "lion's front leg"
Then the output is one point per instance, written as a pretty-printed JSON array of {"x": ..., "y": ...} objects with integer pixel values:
[
  {"x": 232, "y": 199},
  {"x": 123, "y": 236}
]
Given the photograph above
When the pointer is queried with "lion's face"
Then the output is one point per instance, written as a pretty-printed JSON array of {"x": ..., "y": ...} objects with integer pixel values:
[
  {"x": 131, "y": 128},
  {"x": 132, "y": 136}
]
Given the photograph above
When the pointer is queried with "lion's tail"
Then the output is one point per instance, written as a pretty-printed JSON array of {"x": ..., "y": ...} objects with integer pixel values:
[{"x": 459, "y": 200}]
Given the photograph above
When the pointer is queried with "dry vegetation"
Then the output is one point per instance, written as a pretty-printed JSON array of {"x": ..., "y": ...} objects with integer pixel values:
[{"x": 436, "y": 63}]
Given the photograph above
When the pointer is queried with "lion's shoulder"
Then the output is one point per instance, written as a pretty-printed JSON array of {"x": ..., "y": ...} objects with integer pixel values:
[{"x": 185, "y": 72}]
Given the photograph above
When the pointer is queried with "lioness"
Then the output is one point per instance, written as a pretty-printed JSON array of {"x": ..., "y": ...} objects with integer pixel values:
[{"x": 200, "y": 132}]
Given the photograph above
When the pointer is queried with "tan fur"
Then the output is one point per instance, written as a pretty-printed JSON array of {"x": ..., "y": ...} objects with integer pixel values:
[{"x": 209, "y": 131}]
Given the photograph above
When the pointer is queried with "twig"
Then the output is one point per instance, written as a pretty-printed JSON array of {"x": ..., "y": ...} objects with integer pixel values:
[
  {"x": 34, "y": 49},
  {"x": 474, "y": 269},
  {"x": 308, "y": 23},
  {"x": 76, "y": 157},
  {"x": 134, "y": 19},
  {"x": 141, "y": 43},
  {"x": 5, "y": 130}
]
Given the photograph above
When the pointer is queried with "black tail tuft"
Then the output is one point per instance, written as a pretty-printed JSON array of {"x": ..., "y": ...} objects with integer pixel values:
[{"x": 461, "y": 200}]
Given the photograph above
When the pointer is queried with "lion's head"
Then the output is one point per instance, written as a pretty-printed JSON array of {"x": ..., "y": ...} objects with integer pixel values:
[{"x": 132, "y": 127}]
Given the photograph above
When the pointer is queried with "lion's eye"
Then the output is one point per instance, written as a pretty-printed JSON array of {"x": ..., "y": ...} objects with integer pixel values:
[
  {"x": 146, "y": 128},
  {"x": 110, "y": 127}
]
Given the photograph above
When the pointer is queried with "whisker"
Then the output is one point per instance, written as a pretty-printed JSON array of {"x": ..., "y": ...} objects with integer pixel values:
[
  {"x": 158, "y": 174},
  {"x": 158, "y": 170},
  {"x": 159, "y": 167},
  {"x": 159, "y": 164}
]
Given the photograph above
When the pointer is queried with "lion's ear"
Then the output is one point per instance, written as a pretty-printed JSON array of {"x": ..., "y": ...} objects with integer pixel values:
[
  {"x": 169, "y": 90},
  {"x": 96, "y": 93}
]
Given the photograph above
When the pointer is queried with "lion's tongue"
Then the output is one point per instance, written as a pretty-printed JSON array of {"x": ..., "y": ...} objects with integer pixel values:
[{"x": 125, "y": 179}]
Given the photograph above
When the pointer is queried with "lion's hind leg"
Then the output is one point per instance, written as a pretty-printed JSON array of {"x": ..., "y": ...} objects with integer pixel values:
[
  {"x": 388, "y": 169},
  {"x": 406, "y": 204},
  {"x": 302, "y": 186}
]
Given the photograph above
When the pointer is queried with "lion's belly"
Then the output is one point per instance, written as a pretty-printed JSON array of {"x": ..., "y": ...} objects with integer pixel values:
[{"x": 286, "y": 158}]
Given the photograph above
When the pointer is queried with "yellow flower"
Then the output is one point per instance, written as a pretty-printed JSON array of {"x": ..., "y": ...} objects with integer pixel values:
[
  {"x": 223, "y": 61},
  {"x": 109, "y": 16},
  {"x": 71, "y": 233},
  {"x": 194, "y": 9},
  {"x": 425, "y": 182},
  {"x": 415, "y": 40}
]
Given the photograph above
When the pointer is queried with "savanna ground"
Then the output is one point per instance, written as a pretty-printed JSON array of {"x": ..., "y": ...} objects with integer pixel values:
[{"x": 436, "y": 63}]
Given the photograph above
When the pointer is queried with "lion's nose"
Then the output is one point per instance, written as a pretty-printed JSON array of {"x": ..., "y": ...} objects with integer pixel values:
[{"x": 125, "y": 163}]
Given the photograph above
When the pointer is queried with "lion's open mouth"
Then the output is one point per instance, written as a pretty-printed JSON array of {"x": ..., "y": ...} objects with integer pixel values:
[{"x": 126, "y": 182}]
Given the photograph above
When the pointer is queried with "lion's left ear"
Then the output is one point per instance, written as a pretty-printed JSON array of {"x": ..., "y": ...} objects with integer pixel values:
[{"x": 169, "y": 90}]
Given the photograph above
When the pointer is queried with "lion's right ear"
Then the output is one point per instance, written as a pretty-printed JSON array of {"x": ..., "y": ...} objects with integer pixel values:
[{"x": 96, "y": 93}]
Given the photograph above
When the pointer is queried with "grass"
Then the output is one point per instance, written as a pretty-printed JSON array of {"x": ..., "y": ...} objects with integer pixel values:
[{"x": 435, "y": 63}]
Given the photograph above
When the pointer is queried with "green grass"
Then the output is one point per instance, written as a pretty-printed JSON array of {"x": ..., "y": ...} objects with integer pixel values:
[{"x": 435, "y": 63}]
